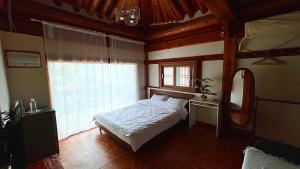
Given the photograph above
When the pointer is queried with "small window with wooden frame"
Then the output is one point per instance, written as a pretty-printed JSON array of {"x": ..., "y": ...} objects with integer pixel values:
[{"x": 178, "y": 75}]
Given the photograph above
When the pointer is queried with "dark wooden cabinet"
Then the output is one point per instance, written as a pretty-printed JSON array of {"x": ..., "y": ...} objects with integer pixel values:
[{"x": 36, "y": 137}]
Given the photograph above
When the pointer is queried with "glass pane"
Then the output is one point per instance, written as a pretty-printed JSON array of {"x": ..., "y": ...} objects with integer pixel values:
[
  {"x": 183, "y": 76},
  {"x": 168, "y": 75}
]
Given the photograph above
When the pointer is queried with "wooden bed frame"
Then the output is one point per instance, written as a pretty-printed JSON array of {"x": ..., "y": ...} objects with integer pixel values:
[{"x": 152, "y": 91}]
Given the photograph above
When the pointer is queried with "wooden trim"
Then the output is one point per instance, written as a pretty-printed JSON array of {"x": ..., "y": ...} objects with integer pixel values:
[
  {"x": 228, "y": 70},
  {"x": 199, "y": 58},
  {"x": 195, "y": 39},
  {"x": 38, "y": 11},
  {"x": 175, "y": 94},
  {"x": 269, "y": 53},
  {"x": 24, "y": 51},
  {"x": 146, "y": 73},
  {"x": 192, "y": 64},
  {"x": 277, "y": 101}
]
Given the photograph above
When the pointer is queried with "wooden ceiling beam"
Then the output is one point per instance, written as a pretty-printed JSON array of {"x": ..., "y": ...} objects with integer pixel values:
[
  {"x": 117, "y": 5},
  {"x": 77, "y": 5},
  {"x": 174, "y": 9},
  {"x": 146, "y": 13},
  {"x": 183, "y": 27},
  {"x": 190, "y": 40},
  {"x": 221, "y": 10},
  {"x": 183, "y": 34},
  {"x": 170, "y": 14},
  {"x": 163, "y": 12},
  {"x": 104, "y": 8},
  {"x": 156, "y": 12},
  {"x": 185, "y": 6},
  {"x": 36, "y": 10},
  {"x": 199, "y": 6},
  {"x": 92, "y": 6},
  {"x": 267, "y": 8}
]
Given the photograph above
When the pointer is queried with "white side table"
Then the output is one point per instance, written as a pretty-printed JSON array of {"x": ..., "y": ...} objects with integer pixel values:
[{"x": 213, "y": 104}]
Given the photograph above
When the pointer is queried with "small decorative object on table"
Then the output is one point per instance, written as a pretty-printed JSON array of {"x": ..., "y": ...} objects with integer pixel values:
[
  {"x": 32, "y": 105},
  {"x": 204, "y": 87}
]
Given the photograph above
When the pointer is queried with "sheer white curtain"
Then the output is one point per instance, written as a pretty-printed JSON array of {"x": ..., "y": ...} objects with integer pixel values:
[
  {"x": 87, "y": 78},
  {"x": 127, "y": 70}
]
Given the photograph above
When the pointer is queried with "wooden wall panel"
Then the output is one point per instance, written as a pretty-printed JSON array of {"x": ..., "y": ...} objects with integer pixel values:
[{"x": 269, "y": 53}]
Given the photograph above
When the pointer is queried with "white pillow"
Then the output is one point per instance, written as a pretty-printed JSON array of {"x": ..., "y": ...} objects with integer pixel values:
[
  {"x": 159, "y": 97},
  {"x": 179, "y": 104}
]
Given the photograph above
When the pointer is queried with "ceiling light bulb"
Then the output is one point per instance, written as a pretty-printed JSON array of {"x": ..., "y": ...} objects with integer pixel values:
[
  {"x": 121, "y": 18},
  {"x": 131, "y": 21},
  {"x": 132, "y": 16}
]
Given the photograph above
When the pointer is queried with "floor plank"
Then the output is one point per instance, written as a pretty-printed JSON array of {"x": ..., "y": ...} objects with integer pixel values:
[{"x": 195, "y": 148}]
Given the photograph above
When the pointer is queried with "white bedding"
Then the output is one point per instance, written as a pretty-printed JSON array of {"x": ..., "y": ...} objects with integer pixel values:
[
  {"x": 138, "y": 123},
  {"x": 257, "y": 159}
]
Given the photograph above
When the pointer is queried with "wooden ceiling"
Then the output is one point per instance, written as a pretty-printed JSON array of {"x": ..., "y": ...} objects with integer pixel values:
[
  {"x": 152, "y": 11},
  {"x": 223, "y": 14}
]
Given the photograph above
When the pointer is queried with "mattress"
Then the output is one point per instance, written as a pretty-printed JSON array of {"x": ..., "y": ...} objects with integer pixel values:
[
  {"x": 138, "y": 123},
  {"x": 257, "y": 159}
]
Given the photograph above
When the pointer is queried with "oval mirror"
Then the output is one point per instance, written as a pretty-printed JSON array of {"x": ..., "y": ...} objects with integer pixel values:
[{"x": 242, "y": 96}]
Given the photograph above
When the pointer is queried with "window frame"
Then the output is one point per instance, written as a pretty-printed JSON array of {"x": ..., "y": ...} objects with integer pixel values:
[{"x": 192, "y": 64}]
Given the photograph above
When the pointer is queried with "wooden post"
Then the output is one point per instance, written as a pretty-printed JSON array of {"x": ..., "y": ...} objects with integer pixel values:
[
  {"x": 146, "y": 76},
  {"x": 230, "y": 42}
]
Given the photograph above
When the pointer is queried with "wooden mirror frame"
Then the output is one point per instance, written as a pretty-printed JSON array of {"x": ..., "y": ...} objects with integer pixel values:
[{"x": 248, "y": 102}]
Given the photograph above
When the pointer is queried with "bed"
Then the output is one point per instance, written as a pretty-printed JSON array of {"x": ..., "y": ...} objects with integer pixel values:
[
  {"x": 271, "y": 154},
  {"x": 135, "y": 125}
]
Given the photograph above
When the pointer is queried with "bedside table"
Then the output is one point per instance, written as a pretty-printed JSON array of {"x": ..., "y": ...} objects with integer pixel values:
[{"x": 212, "y": 104}]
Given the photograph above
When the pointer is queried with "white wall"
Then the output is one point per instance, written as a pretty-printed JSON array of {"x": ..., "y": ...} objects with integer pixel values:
[
  {"x": 191, "y": 50},
  {"x": 274, "y": 120},
  {"x": 24, "y": 83},
  {"x": 153, "y": 75},
  {"x": 4, "y": 95},
  {"x": 214, "y": 71}
]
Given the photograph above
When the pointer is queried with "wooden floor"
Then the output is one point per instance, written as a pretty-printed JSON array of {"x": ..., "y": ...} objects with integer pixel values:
[{"x": 195, "y": 148}]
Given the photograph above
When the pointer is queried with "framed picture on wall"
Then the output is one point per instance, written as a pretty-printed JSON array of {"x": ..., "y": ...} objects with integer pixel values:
[{"x": 22, "y": 59}]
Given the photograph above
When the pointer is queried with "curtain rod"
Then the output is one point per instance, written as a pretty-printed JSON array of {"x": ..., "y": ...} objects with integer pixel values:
[{"x": 72, "y": 28}]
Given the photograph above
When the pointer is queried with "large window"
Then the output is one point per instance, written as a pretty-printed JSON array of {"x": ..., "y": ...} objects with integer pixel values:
[
  {"x": 84, "y": 89},
  {"x": 90, "y": 73},
  {"x": 178, "y": 75}
]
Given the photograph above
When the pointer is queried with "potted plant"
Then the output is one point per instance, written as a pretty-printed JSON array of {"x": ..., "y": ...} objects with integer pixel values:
[{"x": 205, "y": 87}]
